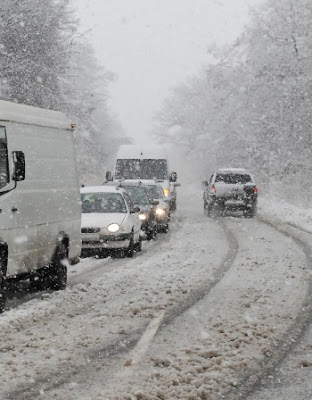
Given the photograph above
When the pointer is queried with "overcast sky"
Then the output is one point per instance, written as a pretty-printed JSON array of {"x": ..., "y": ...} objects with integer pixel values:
[{"x": 151, "y": 45}]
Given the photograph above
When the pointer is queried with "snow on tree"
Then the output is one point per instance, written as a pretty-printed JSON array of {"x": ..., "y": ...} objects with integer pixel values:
[
  {"x": 35, "y": 38},
  {"x": 44, "y": 62},
  {"x": 252, "y": 106}
]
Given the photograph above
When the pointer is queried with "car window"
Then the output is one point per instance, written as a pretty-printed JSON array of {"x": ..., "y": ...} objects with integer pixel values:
[
  {"x": 137, "y": 194},
  {"x": 153, "y": 192},
  {"x": 233, "y": 178},
  {"x": 128, "y": 201},
  {"x": 103, "y": 203},
  {"x": 161, "y": 193}
]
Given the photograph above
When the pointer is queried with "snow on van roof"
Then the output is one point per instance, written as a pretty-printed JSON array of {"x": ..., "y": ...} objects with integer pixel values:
[
  {"x": 136, "y": 152},
  {"x": 100, "y": 189},
  {"x": 13, "y": 112}
]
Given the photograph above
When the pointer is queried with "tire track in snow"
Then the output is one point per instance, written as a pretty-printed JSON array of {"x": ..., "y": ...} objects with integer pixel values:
[
  {"x": 114, "y": 349},
  {"x": 209, "y": 284},
  {"x": 256, "y": 379}
]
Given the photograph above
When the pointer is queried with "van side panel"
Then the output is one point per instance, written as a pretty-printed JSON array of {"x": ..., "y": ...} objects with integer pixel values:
[{"x": 46, "y": 203}]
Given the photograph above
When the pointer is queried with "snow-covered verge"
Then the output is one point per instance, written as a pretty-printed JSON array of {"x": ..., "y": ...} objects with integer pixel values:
[{"x": 279, "y": 209}]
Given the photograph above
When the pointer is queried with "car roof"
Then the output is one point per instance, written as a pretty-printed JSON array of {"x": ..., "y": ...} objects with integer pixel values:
[
  {"x": 132, "y": 182},
  {"x": 232, "y": 171},
  {"x": 150, "y": 182},
  {"x": 101, "y": 189}
]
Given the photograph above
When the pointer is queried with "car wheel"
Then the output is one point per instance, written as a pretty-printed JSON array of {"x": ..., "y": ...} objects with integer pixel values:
[
  {"x": 250, "y": 213},
  {"x": 166, "y": 228},
  {"x": 130, "y": 249},
  {"x": 150, "y": 234},
  {"x": 138, "y": 246},
  {"x": 59, "y": 269},
  {"x": 217, "y": 211}
]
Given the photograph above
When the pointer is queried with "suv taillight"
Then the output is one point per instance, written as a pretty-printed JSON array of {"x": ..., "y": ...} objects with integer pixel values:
[
  {"x": 213, "y": 189},
  {"x": 255, "y": 190}
]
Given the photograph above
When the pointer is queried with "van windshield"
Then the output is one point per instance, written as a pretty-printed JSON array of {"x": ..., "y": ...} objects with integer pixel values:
[
  {"x": 142, "y": 169},
  {"x": 4, "y": 165}
]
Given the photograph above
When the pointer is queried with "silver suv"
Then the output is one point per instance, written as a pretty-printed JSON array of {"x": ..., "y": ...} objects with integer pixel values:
[{"x": 231, "y": 189}]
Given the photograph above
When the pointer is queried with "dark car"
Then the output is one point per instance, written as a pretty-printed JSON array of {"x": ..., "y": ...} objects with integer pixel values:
[
  {"x": 162, "y": 211},
  {"x": 139, "y": 195},
  {"x": 231, "y": 189}
]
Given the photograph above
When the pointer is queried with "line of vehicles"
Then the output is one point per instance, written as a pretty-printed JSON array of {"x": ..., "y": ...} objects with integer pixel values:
[
  {"x": 133, "y": 205},
  {"x": 46, "y": 219}
]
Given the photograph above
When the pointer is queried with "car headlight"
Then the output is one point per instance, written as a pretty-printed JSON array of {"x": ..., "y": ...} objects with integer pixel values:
[
  {"x": 166, "y": 192},
  {"x": 113, "y": 228},
  {"x": 143, "y": 217},
  {"x": 160, "y": 212}
]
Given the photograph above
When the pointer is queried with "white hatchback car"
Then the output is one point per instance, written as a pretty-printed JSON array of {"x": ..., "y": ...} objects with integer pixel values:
[{"x": 110, "y": 223}]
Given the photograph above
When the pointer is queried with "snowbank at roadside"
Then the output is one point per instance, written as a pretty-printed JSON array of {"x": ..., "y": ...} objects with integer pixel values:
[{"x": 278, "y": 209}]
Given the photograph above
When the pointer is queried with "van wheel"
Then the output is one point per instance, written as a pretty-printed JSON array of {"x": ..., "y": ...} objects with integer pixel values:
[
  {"x": 59, "y": 269},
  {"x": 3, "y": 288},
  {"x": 3, "y": 293}
]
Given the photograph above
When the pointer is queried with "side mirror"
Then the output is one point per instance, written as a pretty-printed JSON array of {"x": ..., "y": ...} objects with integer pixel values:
[
  {"x": 135, "y": 210},
  {"x": 205, "y": 183},
  {"x": 19, "y": 166},
  {"x": 173, "y": 177},
  {"x": 109, "y": 176}
]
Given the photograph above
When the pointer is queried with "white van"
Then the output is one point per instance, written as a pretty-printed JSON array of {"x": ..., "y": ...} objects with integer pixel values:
[
  {"x": 146, "y": 162},
  {"x": 40, "y": 207}
]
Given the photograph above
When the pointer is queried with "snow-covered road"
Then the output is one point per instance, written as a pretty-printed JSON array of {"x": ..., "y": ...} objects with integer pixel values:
[{"x": 202, "y": 312}]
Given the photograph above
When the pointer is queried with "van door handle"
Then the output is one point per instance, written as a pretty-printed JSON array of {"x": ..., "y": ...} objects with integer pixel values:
[{"x": 14, "y": 209}]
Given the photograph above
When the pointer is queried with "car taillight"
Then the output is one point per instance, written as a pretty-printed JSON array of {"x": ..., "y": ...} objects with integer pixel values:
[
  {"x": 255, "y": 190},
  {"x": 213, "y": 189}
]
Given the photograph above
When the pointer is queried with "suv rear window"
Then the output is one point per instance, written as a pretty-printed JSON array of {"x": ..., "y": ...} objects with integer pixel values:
[{"x": 233, "y": 178}]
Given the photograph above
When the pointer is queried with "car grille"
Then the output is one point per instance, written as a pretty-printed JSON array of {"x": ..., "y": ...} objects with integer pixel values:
[{"x": 90, "y": 230}]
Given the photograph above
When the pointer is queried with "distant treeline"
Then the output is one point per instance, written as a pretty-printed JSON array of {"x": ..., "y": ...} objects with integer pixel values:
[{"x": 252, "y": 106}]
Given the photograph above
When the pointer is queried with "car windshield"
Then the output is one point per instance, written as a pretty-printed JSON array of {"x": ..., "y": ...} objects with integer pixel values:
[
  {"x": 233, "y": 178},
  {"x": 154, "y": 192},
  {"x": 103, "y": 203},
  {"x": 142, "y": 169},
  {"x": 137, "y": 194}
]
